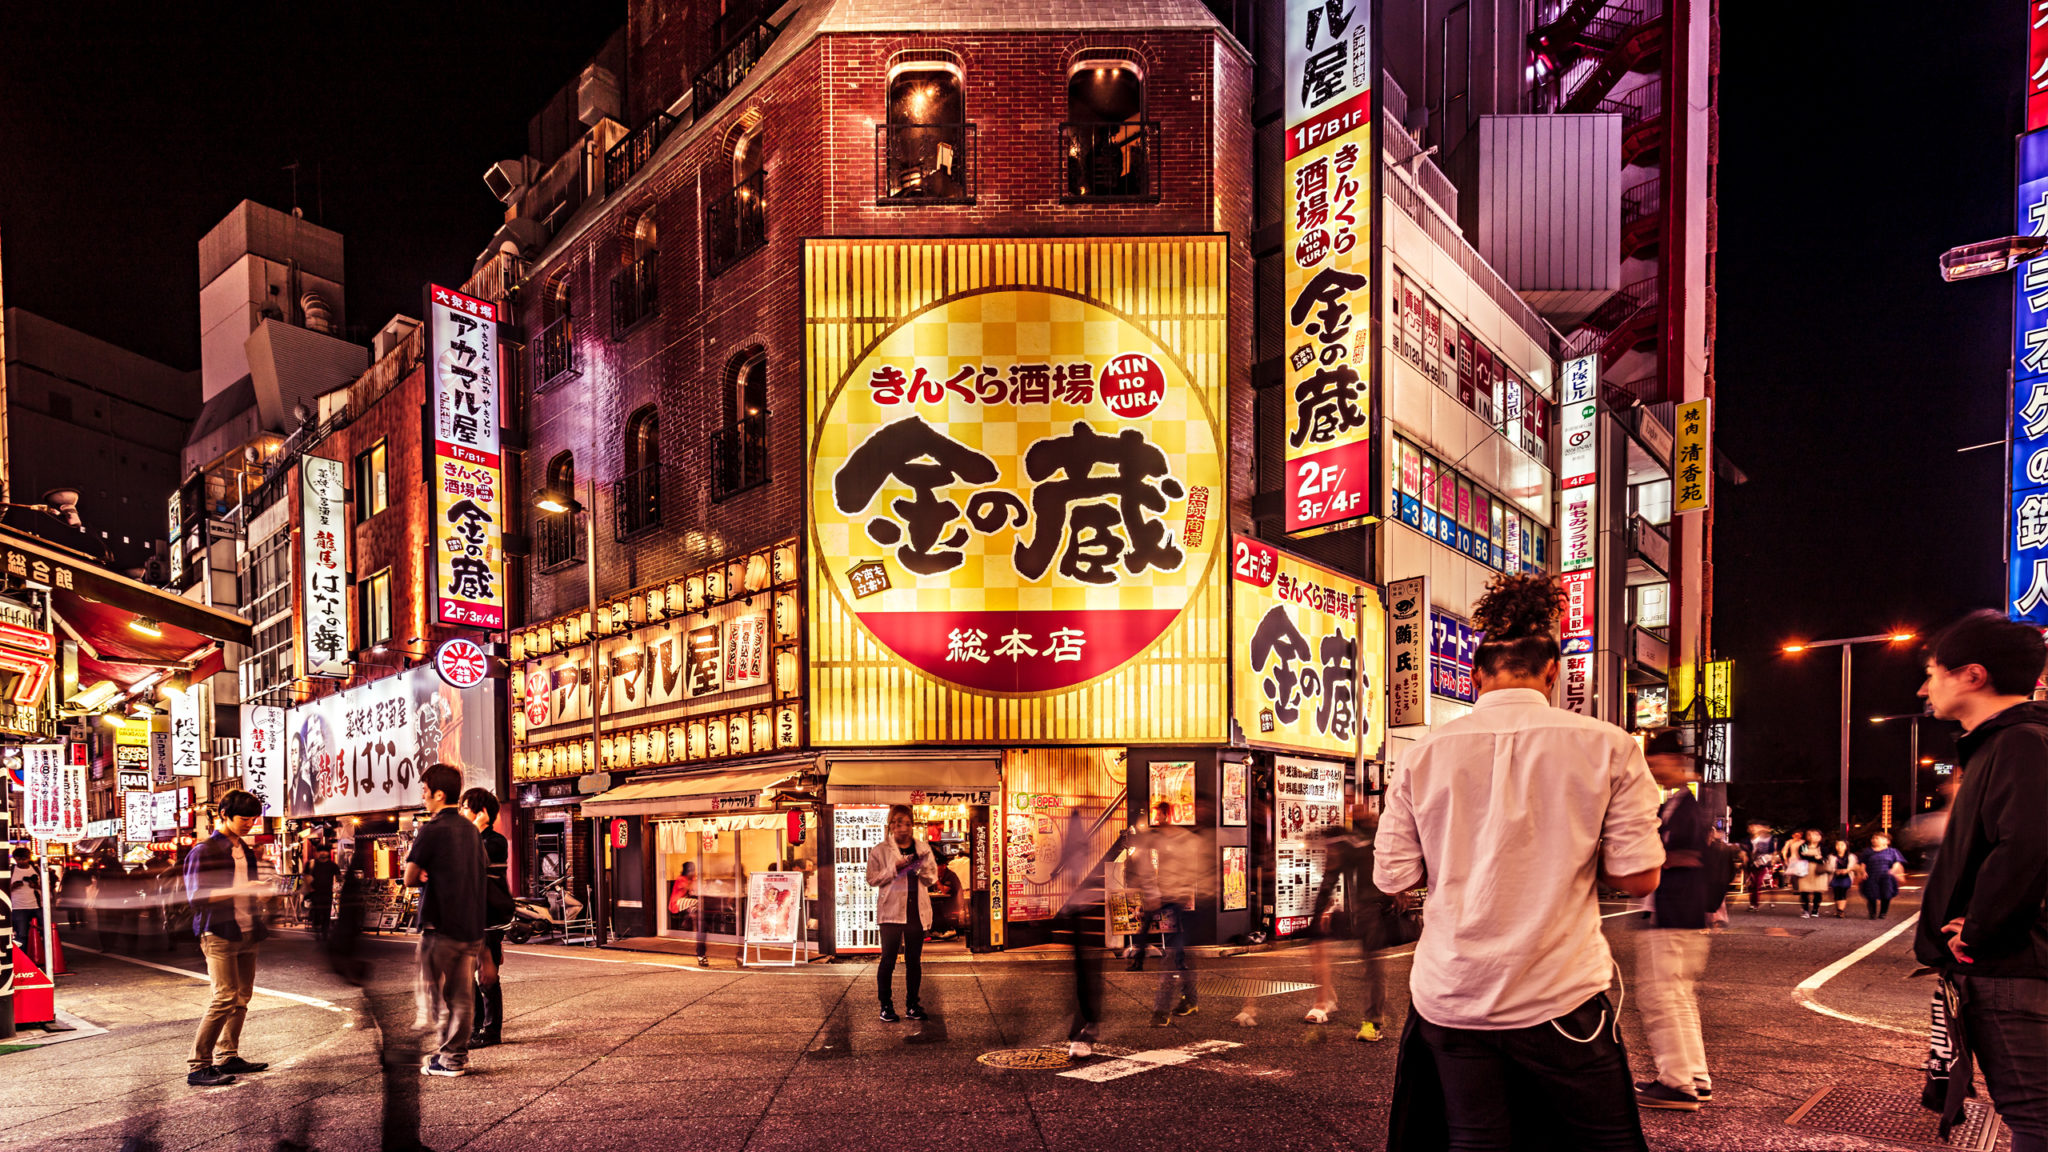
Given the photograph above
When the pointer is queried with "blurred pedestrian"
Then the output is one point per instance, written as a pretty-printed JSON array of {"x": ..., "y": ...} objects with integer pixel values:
[
  {"x": 1172, "y": 868},
  {"x": 320, "y": 891},
  {"x": 221, "y": 886},
  {"x": 447, "y": 863},
  {"x": 1982, "y": 919},
  {"x": 1760, "y": 862},
  {"x": 1671, "y": 952},
  {"x": 480, "y": 808},
  {"x": 25, "y": 892},
  {"x": 1884, "y": 871},
  {"x": 903, "y": 867},
  {"x": 1841, "y": 876},
  {"x": 1080, "y": 867},
  {"x": 1516, "y": 814},
  {"x": 1364, "y": 917},
  {"x": 1807, "y": 864}
]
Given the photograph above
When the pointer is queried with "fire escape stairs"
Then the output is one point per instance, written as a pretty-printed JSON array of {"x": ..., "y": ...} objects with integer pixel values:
[
  {"x": 1640, "y": 48},
  {"x": 1570, "y": 36}
]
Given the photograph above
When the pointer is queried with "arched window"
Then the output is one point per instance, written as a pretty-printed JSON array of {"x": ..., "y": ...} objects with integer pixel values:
[
  {"x": 749, "y": 154},
  {"x": 736, "y": 223},
  {"x": 556, "y": 531},
  {"x": 635, "y": 290},
  {"x": 637, "y": 494},
  {"x": 1108, "y": 142},
  {"x": 746, "y": 393},
  {"x": 643, "y": 440},
  {"x": 740, "y": 448},
  {"x": 644, "y": 239},
  {"x": 557, "y": 334},
  {"x": 925, "y": 142}
]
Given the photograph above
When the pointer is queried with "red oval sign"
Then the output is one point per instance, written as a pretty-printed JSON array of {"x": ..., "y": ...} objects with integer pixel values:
[
  {"x": 462, "y": 663},
  {"x": 1133, "y": 385}
]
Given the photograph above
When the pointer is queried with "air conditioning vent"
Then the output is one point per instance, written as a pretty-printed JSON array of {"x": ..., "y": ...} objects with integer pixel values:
[
  {"x": 597, "y": 96},
  {"x": 506, "y": 178}
]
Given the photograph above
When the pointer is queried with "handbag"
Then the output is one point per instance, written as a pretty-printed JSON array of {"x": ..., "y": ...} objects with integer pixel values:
[{"x": 1798, "y": 867}]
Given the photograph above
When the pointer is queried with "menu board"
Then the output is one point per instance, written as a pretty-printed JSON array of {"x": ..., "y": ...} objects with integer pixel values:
[
  {"x": 855, "y": 829},
  {"x": 1308, "y": 796}
]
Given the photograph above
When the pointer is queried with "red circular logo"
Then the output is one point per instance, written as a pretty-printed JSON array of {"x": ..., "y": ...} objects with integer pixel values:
[
  {"x": 462, "y": 663},
  {"x": 1133, "y": 385}
]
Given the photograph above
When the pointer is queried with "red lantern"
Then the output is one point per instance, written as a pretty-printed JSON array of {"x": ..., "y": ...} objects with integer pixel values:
[
  {"x": 621, "y": 834},
  {"x": 796, "y": 828}
]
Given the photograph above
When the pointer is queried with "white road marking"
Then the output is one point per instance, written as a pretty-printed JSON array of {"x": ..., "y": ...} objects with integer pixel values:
[
  {"x": 1807, "y": 987},
  {"x": 1129, "y": 1063},
  {"x": 314, "y": 1001}
]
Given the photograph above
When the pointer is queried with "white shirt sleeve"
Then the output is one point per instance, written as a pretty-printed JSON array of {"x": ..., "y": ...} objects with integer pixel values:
[
  {"x": 1630, "y": 827},
  {"x": 1397, "y": 847}
]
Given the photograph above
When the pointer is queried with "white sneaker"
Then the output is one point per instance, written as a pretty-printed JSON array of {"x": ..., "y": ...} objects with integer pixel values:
[
  {"x": 1245, "y": 1019},
  {"x": 1079, "y": 1049},
  {"x": 1317, "y": 1016}
]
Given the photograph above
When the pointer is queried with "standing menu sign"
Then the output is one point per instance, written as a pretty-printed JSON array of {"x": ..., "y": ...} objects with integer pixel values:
[
  {"x": 1308, "y": 796},
  {"x": 53, "y": 793},
  {"x": 1331, "y": 172},
  {"x": 323, "y": 565},
  {"x": 855, "y": 829},
  {"x": 464, "y": 470}
]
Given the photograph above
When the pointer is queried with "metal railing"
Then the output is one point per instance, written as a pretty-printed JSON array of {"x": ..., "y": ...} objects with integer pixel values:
[
  {"x": 740, "y": 455},
  {"x": 736, "y": 223},
  {"x": 499, "y": 277},
  {"x": 1110, "y": 161},
  {"x": 636, "y": 501},
  {"x": 557, "y": 350},
  {"x": 1444, "y": 232},
  {"x": 628, "y": 156},
  {"x": 635, "y": 295},
  {"x": 1642, "y": 201},
  {"x": 924, "y": 163},
  {"x": 734, "y": 61},
  {"x": 1639, "y": 104},
  {"x": 555, "y": 538},
  {"x": 1428, "y": 176}
]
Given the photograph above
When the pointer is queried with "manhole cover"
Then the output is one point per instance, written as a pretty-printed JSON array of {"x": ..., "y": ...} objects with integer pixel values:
[
  {"x": 1895, "y": 1117},
  {"x": 1026, "y": 1059},
  {"x": 1237, "y": 987}
]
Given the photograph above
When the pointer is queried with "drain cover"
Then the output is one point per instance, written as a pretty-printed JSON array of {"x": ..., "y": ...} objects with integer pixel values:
[
  {"x": 1896, "y": 1117},
  {"x": 1236, "y": 987},
  {"x": 1026, "y": 1059}
]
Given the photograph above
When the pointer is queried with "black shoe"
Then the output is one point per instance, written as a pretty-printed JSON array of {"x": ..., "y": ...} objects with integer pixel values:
[
  {"x": 1135, "y": 966},
  {"x": 1659, "y": 1095},
  {"x": 915, "y": 1012},
  {"x": 236, "y": 1066},
  {"x": 889, "y": 1015},
  {"x": 208, "y": 1077}
]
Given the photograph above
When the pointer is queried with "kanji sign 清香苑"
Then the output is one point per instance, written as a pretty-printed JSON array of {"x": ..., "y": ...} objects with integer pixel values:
[
  {"x": 463, "y": 468},
  {"x": 1692, "y": 458},
  {"x": 1294, "y": 638},
  {"x": 323, "y": 565},
  {"x": 1017, "y": 489},
  {"x": 1330, "y": 173}
]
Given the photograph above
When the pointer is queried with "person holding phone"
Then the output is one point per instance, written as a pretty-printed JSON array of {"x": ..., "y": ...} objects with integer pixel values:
[{"x": 903, "y": 867}]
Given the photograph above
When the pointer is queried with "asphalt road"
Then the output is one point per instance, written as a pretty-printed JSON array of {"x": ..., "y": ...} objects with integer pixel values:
[{"x": 620, "y": 1050}]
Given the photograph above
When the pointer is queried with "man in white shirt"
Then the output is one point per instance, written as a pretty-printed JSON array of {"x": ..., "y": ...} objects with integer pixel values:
[{"x": 1512, "y": 815}]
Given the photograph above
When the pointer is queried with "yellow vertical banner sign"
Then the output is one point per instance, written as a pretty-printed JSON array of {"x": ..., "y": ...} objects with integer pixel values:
[
  {"x": 1692, "y": 458},
  {"x": 1016, "y": 488}
]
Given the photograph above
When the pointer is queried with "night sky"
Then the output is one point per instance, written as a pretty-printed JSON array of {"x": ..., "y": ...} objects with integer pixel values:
[{"x": 1853, "y": 151}]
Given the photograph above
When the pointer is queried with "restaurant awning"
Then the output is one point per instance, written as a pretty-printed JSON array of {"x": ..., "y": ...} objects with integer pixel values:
[
  {"x": 708, "y": 792},
  {"x": 915, "y": 780},
  {"x": 76, "y": 578}
]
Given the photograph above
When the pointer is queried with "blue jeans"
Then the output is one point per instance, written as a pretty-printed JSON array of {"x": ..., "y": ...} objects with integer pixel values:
[
  {"x": 1176, "y": 973},
  {"x": 2007, "y": 1022},
  {"x": 28, "y": 923}
]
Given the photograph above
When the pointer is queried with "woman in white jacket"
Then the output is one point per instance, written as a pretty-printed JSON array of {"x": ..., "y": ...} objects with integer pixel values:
[{"x": 902, "y": 866}]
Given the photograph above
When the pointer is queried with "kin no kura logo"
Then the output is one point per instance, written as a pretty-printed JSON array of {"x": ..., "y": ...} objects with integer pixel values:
[{"x": 1012, "y": 490}]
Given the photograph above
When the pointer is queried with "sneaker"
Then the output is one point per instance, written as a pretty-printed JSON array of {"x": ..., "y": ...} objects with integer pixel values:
[
  {"x": 915, "y": 1012},
  {"x": 1370, "y": 1032},
  {"x": 889, "y": 1015},
  {"x": 1079, "y": 1049},
  {"x": 1659, "y": 1095},
  {"x": 208, "y": 1077},
  {"x": 433, "y": 1066},
  {"x": 1187, "y": 1008},
  {"x": 1317, "y": 1016},
  {"x": 240, "y": 1067},
  {"x": 1161, "y": 1020},
  {"x": 1702, "y": 1092}
]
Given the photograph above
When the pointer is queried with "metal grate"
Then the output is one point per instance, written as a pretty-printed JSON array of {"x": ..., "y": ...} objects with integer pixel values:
[
  {"x": 1026, "y": 1059},
  {"x": 1236, "y": 987},
  {"x": 1895, "y": 1117}
]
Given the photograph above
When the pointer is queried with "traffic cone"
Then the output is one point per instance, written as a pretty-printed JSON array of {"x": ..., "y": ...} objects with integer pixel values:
[{"x": 56, "y": 966}]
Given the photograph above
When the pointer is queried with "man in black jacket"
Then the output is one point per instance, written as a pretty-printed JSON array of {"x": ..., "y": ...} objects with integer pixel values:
[
  {"x": 1982, "y": 918},
  {"x": 227, "y": 916}
]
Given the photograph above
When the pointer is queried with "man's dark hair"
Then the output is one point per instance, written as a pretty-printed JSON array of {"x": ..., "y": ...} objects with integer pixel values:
[
  {"x": 239, "y": 803},
  {"x": 21, "y": 854},
  {"x": 481, "y": 800},
  {"x": 1517, "y": 619},
  {"x": 2011, "y": 653},
  {"x": 443, "y": 779}
]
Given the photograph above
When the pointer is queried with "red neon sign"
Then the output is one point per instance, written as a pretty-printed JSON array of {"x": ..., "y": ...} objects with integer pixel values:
[{"x": 30, "y": 653}]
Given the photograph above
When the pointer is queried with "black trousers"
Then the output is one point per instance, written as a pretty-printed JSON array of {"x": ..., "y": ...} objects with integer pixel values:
[
  {"x": 1491, "y": 1079},
  {"x": 1068, "y": 929},
  {"x": 907, "y": 938}
]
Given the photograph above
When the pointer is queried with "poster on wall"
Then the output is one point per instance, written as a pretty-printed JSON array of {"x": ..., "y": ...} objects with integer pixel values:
[
  {"x": 1308, "y": 798},
  {"x": 1049, "y": 795},
  {"x": 53, "y": 793},
  {"x": 1407, "y": 651},
  {"x": 1234, "y": 856},
  {"x": 1233, "y": 807},
  {"x": 1330, "y": 171},
  {"x": 263, "y": 755},
  {"x": 855, "y": 829},
  {"x": 324, "y": 567},
  {"x": 775, "y": 904},
  {"x": 464, "y": 472},
  {"x": 1016, "y": 490},
  {"x": 1295, "y": 642},
  {"x": 363, "y": 750},
  {"x": 1174, "y": 782}
]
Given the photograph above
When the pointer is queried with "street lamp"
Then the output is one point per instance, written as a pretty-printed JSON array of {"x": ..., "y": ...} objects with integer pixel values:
[
  {"x": 1989, "y": 257},
  {"x": 1915, "y": 761},
  {"x": 552, "y": 500},
  {"x": 1845, "y": 645}
]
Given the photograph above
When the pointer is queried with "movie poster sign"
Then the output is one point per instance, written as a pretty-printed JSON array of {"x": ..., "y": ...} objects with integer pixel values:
[
  {"x": 1016, "y": 490},
  {"x": 1296, "y": 634},
  {"x": 464, "y": 469},
  {"x": 363, "y": 750}
]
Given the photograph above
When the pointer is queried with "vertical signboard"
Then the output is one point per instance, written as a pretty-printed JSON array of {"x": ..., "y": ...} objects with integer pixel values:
[
  {"x": 323, "y": 564},
  {"x": 160, "y": 751},
  {"x": 1408, "y": 617},
  {"x": 1017, "y": 494},
  {"x": 263, "y": 756},
  {"x": 53, "y": 792},
  {"x": 2037, "y": 66},
  {"x": 1331, "y": 172},
  {"x": 464, "y": 471},
  {"x": 187, "y": 739},
  {"x": 2027, "y": 507},
  {"x": 1579, "y": 528},
  {"x": 1297, "y": 634},
  {"x": 1692, "y": 458}
]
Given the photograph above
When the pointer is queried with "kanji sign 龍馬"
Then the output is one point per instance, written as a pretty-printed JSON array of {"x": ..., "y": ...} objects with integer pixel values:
[
  {"x": 1016, "y": 489},
  {"x": 463, "y": 468}
]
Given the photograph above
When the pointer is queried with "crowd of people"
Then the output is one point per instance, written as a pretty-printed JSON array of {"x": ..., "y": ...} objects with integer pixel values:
[{"x": 1822, "y": 871}]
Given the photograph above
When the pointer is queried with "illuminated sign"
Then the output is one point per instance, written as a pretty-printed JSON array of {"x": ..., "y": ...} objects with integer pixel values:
[
  {"x": 363, "y": 750},
  {"x": 464, "y": 469},
  {"x": 323, "y": 564},
  {"x": 1408, "y": 648},
  {"x": 461, "y": 662},
  {"x": 1016, "y": 490},
  {"x": 2037, "y": 65},
  {"x": 1692, "y": 467},
  {"x": 2027, "y": 507},
  {"x": 1295, "y": 643},
  {"x": 1720, "y": 690},
  {"x": 1452, "y": 645},
  {"x": 263, "y": 755},
  {"x": 1331, "y": 169},
  {"x": 187, "y": 738},
  {"x": 53, "y": 793},
  {"x": 1579, "y": 532},
  {"x": 30, "y": 654}
]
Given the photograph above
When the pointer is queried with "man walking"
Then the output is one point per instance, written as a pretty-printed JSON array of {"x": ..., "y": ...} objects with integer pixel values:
[
  {"x": 447, "y": 861},
  {"x": 320, "y": 891},
  {"x": 220, "y": 885},
  {"x": 1173, "y": 867},
  {"x": 1982, "y": 919},
  {"x": 1671, "y": 952},
  {"x": 1514, "y": 814},
  {"x": 1347, "y": 861}
]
